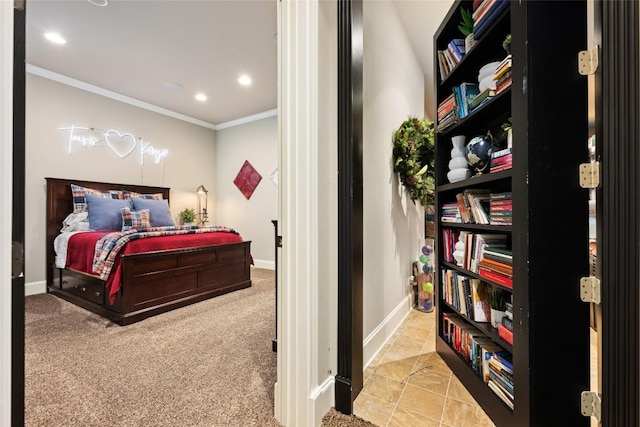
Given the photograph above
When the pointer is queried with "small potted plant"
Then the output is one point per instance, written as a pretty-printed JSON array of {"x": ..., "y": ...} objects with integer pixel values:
[
  {"x": 506, "y": 129},
  {"x": 466, "y": 28},
  {"x": 187, "y": 216},
  {"x": 497, "y": 301}
]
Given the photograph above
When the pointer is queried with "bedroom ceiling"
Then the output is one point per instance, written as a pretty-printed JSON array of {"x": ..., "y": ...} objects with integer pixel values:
[
  {"x": 135, "y": 48},
  {"x": 139, "y": 48}
]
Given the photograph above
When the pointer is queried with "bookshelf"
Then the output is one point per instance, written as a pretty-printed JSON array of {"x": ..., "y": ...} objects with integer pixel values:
[{"x": 546, "y": 360}]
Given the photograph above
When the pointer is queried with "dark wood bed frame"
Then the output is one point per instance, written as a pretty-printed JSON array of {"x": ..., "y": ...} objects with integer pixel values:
[{"x": 152, "y": 283}]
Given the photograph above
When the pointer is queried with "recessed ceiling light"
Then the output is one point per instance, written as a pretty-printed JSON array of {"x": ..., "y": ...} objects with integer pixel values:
[
  {"x": 176, "y": 87},
  {"x": 244, "y": 80},
  {"x": 55, "y": 38},
  {"x": 99, "y": 2},
  {"x": 201, "y": 97}
]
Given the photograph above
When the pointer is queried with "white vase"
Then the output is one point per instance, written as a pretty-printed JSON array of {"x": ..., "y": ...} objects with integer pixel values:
[{"x": 458, "y": 167}]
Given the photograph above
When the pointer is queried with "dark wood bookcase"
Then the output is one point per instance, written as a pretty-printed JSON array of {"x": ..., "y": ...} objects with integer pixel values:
[{"x": 547, "y": 102}]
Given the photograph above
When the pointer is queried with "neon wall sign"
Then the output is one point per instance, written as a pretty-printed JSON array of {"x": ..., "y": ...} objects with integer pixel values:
[{"x": 121, "y": 144}]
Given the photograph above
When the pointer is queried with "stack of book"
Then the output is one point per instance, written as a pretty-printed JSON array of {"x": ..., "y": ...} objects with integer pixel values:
[
  {"x": 496, "y": 265},
  {"x": 449, "y": 239},
  {"x": 501, "y": 376},
  {"x": 464, "y": 94},
  {"x": 481, "y": 99},
  {"x": 485, "y": 14},
  {"x": 500, "y": 208},
  {"x": 501, "y": 160},
  {"x": 450, "y": 213},
  {"x": 505, "y": 330},
  {"x": 450, "y": 57},
  {"x": 447, "y": 112},
  {"x": 503, "y": 75}
]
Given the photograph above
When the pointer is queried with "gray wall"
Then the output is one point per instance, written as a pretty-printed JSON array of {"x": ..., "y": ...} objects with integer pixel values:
[
  {"x": 256, "y": 142},
  {"x": 393, "y": 224},
  {"x": 51, "y": 105}
]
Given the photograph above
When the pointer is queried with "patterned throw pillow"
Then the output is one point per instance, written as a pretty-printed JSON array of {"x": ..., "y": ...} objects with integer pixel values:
[
  {"x": 79, "y": 196},
  {"x": 134, "y": 220},
  {"x": 126, "y": 194}
]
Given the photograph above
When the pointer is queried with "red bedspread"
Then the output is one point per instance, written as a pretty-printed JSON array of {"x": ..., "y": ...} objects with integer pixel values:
[{"x": 81, "y": 250}]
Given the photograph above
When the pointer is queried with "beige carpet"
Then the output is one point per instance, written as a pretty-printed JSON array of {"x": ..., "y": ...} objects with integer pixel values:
[
  {"x": 334, "y": 418},
  {"x": 208, "y": 364}
]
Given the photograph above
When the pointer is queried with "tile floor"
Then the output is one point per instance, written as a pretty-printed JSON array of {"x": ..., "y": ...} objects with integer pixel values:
[{"x": 408, "y": 384}]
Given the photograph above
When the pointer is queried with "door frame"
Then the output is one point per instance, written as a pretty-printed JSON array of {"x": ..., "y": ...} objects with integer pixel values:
[{"x": 7, "y": 380}]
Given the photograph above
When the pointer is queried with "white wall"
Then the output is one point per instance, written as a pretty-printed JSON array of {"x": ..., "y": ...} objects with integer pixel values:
[
  {"x": 393, "y": 225},
  {"x": 256, "y": 142},
  {"x": 51, "y": 105}
]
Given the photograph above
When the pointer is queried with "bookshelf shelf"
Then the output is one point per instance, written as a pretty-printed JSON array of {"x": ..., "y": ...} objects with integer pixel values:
[
  {"x": 485, "y": 328},
  {"x": 549, "y": 142},
  {"x": 476, "y": 181}
]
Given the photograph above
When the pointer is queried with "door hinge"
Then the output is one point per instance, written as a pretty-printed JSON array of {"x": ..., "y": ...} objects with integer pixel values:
[
  {"x": 18, "y": 4},
  {"x": 588, "y": 61},
  {"x": 591, "y": 404},
  {"x": 590, "y": 289},
  {"x": 590, "y": 175},
  {"x": 17, "y": 260},
  {"x": 279, "y": 241}
]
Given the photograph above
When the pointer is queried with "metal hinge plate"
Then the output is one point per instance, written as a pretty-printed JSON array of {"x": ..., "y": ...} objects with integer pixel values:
[
  {"x": 591, "y": 404},
  {"x": 279, "y": 241},
  {"x": 590, "y": 175},
  {"x": 590, "y": 289},
  {"x": 588, "y": 61}
]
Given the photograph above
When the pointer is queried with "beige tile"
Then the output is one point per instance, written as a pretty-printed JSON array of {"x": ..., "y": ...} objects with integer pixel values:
[
  {"x": 404, "y": 418},
  {"x": 396, "y": 354},
  {"x": 372, "y": 409},
  {"x": 422, "y": 401},
  {"x": 397, "y": 370},
  {"x": 460, "y": 414},
  {"x": 408, "y": 343},
  {"x": 419, "y": 332},
  {"x": 430, "y": 379},
  {"x": 378, "y": 357},
  {"x": 429, "y": 345},
  {"x": 432, "y": 361},
  {"x": 384, "y": 388},
  {"x": 366, "y": 374},
  {"x": 459, "y": 392}
]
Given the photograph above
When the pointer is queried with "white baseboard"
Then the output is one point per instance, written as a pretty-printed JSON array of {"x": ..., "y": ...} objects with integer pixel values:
[
  {"x": 380, "y": 335},
  {"x": 268, "y": 265},
  {"x": 34, "y": 288},
  {"x": 322, "y": 399}
]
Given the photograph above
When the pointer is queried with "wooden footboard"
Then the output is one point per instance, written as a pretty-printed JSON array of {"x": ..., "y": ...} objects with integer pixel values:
[{"x": 157, "y": 282}]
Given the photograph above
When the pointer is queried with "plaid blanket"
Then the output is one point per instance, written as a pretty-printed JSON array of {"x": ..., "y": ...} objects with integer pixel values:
[{"x": 108, "y": 247}]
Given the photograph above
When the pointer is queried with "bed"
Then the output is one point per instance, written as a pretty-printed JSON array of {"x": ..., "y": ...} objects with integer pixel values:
[{"x": 150, "y": 282}]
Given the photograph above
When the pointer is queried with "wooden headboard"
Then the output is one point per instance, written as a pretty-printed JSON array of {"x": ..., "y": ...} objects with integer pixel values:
[{"x": 60, "y": 204}]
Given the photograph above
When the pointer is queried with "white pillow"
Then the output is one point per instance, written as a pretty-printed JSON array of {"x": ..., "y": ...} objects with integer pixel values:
[{"x": 76, "y": 222}]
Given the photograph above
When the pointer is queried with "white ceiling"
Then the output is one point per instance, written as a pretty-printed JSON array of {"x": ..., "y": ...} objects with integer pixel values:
[{"x": 135, "y": 47}]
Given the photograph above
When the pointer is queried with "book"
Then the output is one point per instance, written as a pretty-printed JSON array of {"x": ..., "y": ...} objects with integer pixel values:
[
  {"x": 505, "y": 334},
  {"x": 496, "y": 277},
  {"x": 481, "y": 98},
  {"x": 485, "y": 21},
  {"x": 481, "y": 307},
  {"x": 492, "y": 385}
]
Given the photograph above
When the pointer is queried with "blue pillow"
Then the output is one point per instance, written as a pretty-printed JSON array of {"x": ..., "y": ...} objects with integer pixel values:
[
  {"x": 104, "y": 214},
  {"x": 159, "y": 213}
]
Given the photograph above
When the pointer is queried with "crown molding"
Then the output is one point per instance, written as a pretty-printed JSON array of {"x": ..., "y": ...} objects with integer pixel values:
[{"x": 247, "y": 119}]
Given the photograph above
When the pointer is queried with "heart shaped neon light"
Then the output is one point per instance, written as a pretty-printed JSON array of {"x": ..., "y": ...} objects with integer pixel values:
[{"x": 121, "y": 143}]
